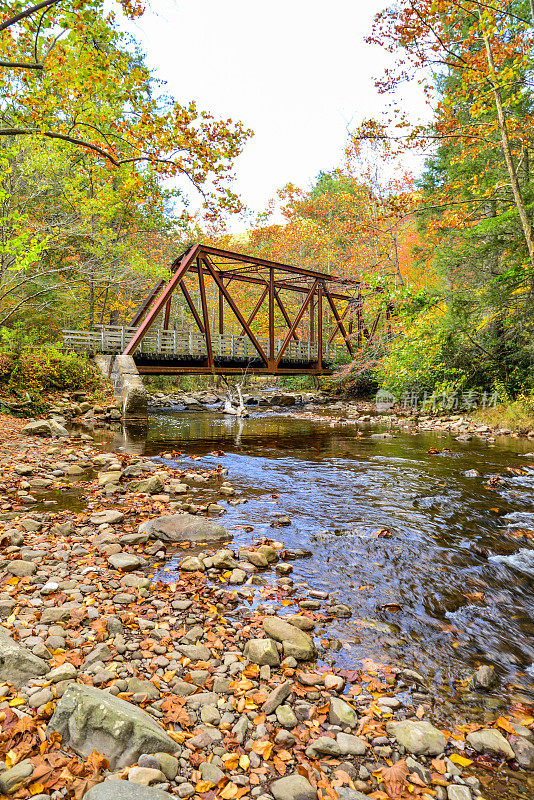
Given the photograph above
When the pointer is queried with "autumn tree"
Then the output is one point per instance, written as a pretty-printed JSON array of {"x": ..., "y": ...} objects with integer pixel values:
[
  {"x": 70, "y": 74},
  {"x": 473, "y": 60}
]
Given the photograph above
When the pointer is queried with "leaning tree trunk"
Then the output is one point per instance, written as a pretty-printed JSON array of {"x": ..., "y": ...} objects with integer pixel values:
[{"x": 505, "y": 141}]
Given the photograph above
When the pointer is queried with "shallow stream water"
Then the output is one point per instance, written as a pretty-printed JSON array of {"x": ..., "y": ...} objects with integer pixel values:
[{"x": 449, "y": 589}]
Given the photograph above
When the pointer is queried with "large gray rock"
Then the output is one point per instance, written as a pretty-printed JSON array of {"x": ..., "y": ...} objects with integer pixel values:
[
  {"x": 45, "y": 427},
  {"x": 458, "y": 793},
  {"x": 18, "y": 665},
  {"x": 295, "y": 642},
  {"x": 90, "y": 719},
  {"x": 490, "y": 740},
  {"x": 124, "y": 790},
  {"x": 185, "y": 528},
  {"x": 21, "y": 568},
  {"x": 420, "y": 738},
  {"x": 293, "y": 787},
  {"x": 346, "y": 793}
]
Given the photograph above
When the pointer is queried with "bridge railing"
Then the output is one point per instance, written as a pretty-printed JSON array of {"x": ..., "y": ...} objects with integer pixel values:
[{"x": 114, "y": 338}]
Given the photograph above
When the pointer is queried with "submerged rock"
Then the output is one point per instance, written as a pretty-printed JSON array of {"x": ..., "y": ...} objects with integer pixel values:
[
  {"x": 524, "y": 751},
  {"x": 185, "y": 527},
  {"x": 484, "y": 677}
]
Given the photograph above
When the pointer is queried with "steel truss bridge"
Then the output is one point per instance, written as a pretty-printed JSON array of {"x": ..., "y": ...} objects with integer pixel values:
[{"x": 194, "y": 323}]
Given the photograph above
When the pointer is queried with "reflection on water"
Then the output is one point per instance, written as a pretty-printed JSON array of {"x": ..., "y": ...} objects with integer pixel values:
[{"x": 463, "y": 583}]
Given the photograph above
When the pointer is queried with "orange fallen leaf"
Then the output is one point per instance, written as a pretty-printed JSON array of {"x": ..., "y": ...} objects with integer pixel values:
[{"x": 505, "y": 724}]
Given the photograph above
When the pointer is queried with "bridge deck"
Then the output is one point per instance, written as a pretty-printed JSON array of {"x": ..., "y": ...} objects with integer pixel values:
[{"x": 170, "y": 351}]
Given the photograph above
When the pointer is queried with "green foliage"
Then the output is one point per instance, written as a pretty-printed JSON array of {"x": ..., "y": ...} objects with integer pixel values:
[
  {"x": 455, "y": 345},
  {"x": 25, "y": 368},
  {"x": 517, "y": 415},
  {"x": 299, "y": 383}
]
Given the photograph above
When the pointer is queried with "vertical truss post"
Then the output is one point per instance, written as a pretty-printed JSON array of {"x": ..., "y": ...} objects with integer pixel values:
[
  {"x": 205, "y": 313},
  {"x": 319, "y": 325},
  {"x": 272, "y": 365},
  {"x": 167, "y": 314},
  {"x": 312, "y": 318},
  {"x": 221, "y": 313}
]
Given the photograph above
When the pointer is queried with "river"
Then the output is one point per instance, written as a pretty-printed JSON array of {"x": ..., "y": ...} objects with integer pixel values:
[{"x": 449, "y": 584}]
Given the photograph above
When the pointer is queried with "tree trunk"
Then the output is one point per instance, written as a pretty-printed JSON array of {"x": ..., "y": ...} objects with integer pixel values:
[{"x": 514, "y": 181}]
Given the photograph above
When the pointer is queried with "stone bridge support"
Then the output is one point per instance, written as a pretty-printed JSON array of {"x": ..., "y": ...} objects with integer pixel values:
[{"x": 127, "y": 384}]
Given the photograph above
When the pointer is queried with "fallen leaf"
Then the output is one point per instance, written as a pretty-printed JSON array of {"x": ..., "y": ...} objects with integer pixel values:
[
  {"x": 395, "y": 779},
  {"x": 462, "y": 761}
]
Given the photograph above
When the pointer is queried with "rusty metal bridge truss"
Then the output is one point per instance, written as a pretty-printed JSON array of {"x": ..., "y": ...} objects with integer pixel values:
[{"x": 194, "y": 323}]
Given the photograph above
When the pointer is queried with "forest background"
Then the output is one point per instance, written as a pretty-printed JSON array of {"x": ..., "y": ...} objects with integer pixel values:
[{"x": 95, "y": 159}]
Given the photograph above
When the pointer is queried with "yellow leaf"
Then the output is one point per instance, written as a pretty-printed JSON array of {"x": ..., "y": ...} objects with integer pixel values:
[
  {"x": 17, "y": 701},
  {"x": 37, "y": 788},
  {"x": 462, "y": 761},
  {"x": 204, "y": 786},
  {"x": 11, "y": 759},
  {"x": 244, "y": 762},
  {"x": 13, "y": 581},
  {"x": 229, "y": 791}
]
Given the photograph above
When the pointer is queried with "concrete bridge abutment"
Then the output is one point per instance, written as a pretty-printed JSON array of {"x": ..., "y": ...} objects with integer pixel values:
[{"x": 127, "y": 384}]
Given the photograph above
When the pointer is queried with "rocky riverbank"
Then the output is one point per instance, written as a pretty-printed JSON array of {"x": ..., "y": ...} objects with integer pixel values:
[
  {"x": 118, "y": 682},
  {"x": 316, "y": 404}
]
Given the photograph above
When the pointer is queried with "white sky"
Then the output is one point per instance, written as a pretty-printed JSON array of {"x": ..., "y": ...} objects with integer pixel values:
[{"x": 298, "y": 72}]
